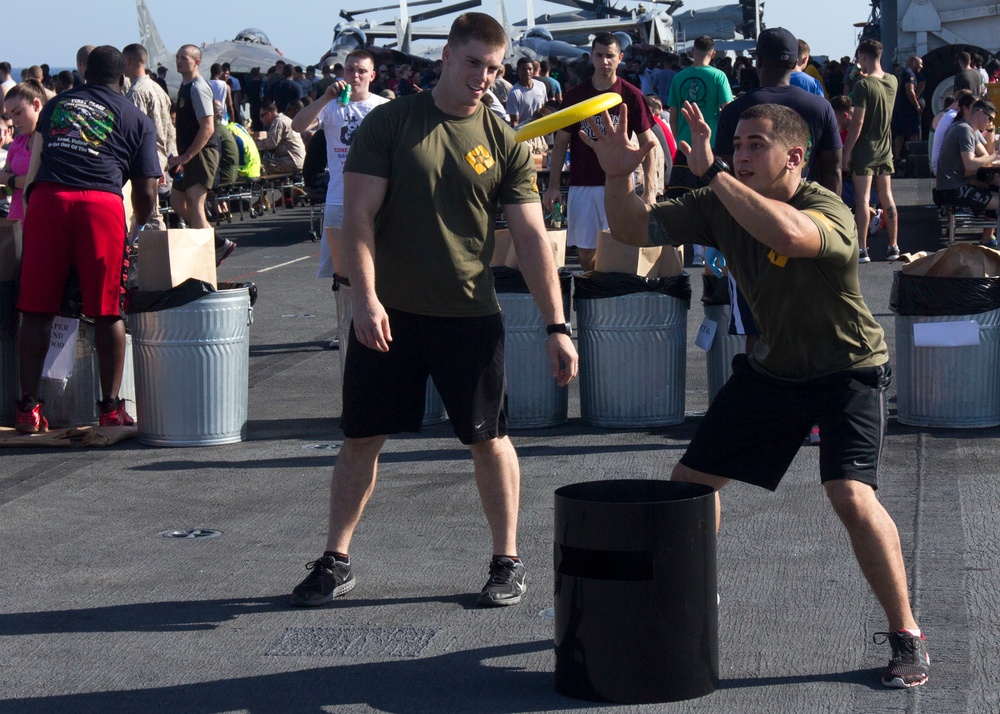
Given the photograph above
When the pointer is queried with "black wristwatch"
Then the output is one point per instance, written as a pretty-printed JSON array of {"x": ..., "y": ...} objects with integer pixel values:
[
  {"x": 561, "y": 328},
  {"x": 718, "y": 166},
  {"x": 10, "y": 182}
]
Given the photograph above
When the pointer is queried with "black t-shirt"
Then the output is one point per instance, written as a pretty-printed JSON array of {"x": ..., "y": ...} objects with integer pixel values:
[
  {"x": 816, "y": 110},
  {"x": 93, "y": 138}
]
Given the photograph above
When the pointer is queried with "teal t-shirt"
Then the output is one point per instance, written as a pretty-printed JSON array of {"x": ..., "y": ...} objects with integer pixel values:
[{"x": 705, "y": 86}]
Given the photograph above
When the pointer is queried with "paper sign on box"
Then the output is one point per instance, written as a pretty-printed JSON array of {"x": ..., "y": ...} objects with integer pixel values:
[{"x": 61, "y": 356}]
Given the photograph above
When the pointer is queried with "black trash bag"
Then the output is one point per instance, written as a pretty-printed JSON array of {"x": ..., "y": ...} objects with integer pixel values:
[
  {"x": 249, "y": 287},
  {"x": 511, "y": 280},
  {"x": 595, "y": 286},
  {"x": 715, "y": 290},
  {"x": 340, "y": 280},
  {"x": 921, "y": 295},
  {"x": 156, "y": 300}
]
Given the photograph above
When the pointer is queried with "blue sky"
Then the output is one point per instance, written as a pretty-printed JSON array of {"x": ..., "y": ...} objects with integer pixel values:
[{"x": 828, "y": 28}]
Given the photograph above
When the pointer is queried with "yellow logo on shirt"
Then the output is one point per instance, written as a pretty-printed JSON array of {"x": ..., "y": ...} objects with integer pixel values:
[
  {"x": 480, "y": 159},
  {"x": 777, "y": 258}
]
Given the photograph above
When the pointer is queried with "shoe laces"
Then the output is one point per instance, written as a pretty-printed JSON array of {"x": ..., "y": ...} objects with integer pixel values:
[
  {"x": 323, "y": 562},
  {"x": 904, "y": 646},
  {"x": 502, "y": 571}
]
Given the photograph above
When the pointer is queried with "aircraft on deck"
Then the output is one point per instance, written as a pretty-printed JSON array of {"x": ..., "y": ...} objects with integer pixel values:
[{"x": 251, "y": 48}]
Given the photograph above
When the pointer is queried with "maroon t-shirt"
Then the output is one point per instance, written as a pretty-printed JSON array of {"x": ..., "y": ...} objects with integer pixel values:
[{"x": 584, "y": 168}]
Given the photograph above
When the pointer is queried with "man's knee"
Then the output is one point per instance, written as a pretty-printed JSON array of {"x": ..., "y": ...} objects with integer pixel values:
[
  {"x": 688, "y": 475},
  {"x": 588, "y": 258},
  {"x": 498, "y": 448},
  {"x": 851, "y": 500}
]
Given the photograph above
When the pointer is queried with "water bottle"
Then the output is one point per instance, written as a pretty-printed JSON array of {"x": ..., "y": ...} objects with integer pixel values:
[
  {"x": 345, "y": 96},
  {"x": 557, "y": 214}
]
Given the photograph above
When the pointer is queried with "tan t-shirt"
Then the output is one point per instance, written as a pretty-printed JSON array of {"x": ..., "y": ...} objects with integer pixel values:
[
  {"x": 447, "y": 175},
  {"x": 810, "y": 311}
]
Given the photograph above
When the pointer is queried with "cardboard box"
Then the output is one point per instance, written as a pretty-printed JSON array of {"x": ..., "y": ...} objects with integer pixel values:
[
  {"x": 615, "y": 257},
  {"x": 501, "y": 246},
  {"x": 557, "y": 241},
  {"x": 168, "y": 258},
  {"x": 671, "y": 262}
]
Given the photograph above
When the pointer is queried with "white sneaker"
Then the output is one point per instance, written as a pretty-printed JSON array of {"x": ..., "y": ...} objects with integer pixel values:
[{"x": 876, "y": 222}]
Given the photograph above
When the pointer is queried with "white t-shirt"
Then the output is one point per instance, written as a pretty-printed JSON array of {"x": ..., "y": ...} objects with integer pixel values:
[
  {"x": 939, "y": 133},
  {"x": 339, "y": 124},
  {"x": 219, "y": 87}
]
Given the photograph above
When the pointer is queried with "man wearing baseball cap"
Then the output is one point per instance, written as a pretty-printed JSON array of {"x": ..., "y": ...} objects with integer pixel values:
[{"x": 777, "y": 53}]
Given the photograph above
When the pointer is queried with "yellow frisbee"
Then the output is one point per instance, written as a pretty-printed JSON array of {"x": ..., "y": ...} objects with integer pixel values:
[{"x": 570, "y": 115}]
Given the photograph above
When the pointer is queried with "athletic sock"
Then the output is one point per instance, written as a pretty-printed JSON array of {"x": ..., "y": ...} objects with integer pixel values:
[
  {"x": 339, "y": 557},
  {"x": 512, "y": 557}
]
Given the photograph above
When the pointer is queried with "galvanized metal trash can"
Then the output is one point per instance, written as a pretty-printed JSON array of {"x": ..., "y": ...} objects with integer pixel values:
[
  {"x": 74, "y": 402},
  {"x": 719, "y": 356},
  {"x": 534, "y": 399},
  {"x": 434, "y": 411},
  {"x": 948, "y": 386},
  {"x": 9, "y": 389},
  {"x": 633, "y": 357},
  {"x": 636, "y": 599},
  {"x": 192, "y": 368}
]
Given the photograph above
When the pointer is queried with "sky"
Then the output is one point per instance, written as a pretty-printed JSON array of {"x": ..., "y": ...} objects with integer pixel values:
[{"x": 305, "y": 37}]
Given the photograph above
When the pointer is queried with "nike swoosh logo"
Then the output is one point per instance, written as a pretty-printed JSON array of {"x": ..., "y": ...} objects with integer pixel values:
[{"x": 863, "y": 466}]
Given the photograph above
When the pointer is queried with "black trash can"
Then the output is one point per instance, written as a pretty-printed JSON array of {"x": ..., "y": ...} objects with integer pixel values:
[{"x": 636, "y": 608}]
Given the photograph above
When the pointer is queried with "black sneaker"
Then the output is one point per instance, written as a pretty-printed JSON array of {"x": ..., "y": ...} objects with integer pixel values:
[
  {"x": 506, "y": 584},
  {"x": 910, "y": 664},
  {"x": 329, "y": 579}
]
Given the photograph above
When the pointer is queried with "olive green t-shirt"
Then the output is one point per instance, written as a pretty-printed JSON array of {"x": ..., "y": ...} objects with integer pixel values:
[
  {"x": 810, "y": 311},
  {"x": 876, "y": 95},
  {"x": 447, "y": 174}
]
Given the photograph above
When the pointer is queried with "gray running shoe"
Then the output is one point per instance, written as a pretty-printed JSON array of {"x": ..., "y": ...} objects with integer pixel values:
[
  {"x": 506, "y": 584},
  {"x": 910, "y": 665},
  {"x": 329, "y": 579}
]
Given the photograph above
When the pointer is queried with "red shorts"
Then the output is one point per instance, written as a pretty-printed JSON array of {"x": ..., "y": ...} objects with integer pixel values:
[{"x": 67, "y": 228}]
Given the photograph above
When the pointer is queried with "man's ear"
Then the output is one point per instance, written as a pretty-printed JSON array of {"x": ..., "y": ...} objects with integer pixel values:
[{"x": 796, "y": 157}]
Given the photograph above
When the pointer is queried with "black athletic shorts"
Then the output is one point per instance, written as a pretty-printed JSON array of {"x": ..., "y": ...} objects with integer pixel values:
[
  {"x": 384, "y": 391},
  {"x": 972, "y": 197},
  {"x": 756, "y": 425}
]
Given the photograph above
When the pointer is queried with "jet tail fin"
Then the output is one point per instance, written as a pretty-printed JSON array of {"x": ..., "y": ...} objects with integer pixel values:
[{"x": 150, "y": 38}]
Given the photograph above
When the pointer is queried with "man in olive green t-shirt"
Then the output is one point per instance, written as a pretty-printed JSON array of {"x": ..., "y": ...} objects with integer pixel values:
[
  {"x": 422, "y": 182},
  {"x": 792, "y": 249},
  {"x": 868, "y": 148}
]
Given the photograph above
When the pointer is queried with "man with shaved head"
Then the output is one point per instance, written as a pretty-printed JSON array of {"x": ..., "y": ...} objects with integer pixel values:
[{"x": 195, "y": 166}]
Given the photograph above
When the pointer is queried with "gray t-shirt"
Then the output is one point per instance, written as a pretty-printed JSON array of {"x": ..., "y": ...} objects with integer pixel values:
[
  {"x": 960, "y": 139},
  {"x": 523, "y": 102}
]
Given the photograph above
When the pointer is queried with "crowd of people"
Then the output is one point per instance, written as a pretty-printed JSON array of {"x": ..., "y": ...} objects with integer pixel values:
[{"x": 778, "y": 159}]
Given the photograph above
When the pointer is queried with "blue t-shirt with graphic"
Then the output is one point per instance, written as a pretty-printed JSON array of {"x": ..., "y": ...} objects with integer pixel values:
[{"x": 96, "y": 139}]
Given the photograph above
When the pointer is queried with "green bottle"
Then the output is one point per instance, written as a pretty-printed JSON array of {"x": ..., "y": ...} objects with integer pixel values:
[{"x": 345, "y": 96}]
